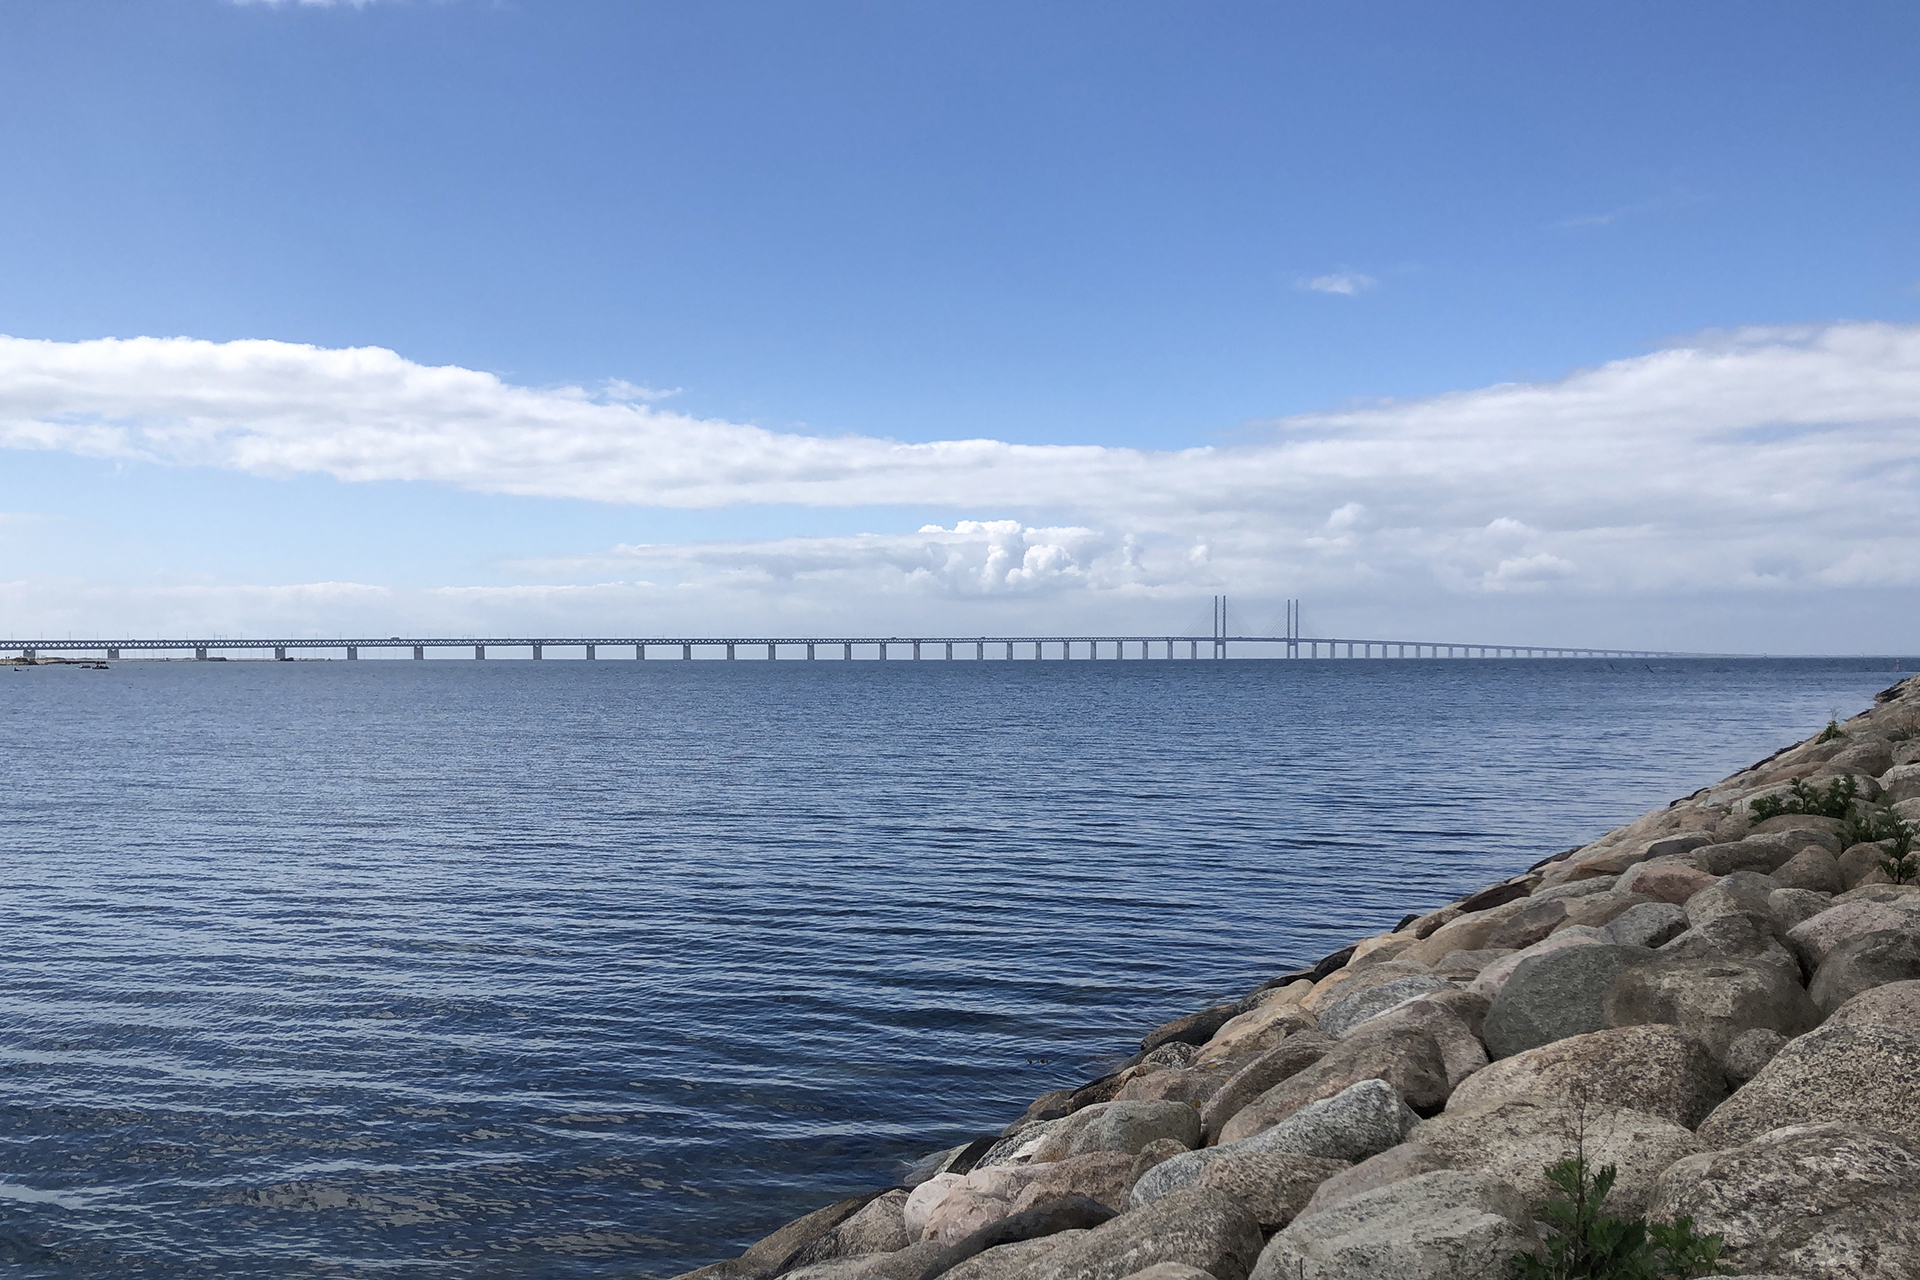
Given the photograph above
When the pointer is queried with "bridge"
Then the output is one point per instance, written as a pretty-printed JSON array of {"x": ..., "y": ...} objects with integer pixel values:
[{"x": 1216, "y": 645}]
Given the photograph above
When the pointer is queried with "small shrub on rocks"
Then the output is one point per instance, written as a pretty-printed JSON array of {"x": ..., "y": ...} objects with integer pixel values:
[
  {"x": 1832, "y": 731},
  {"x": 1587, "y": 1244},
  {"x": 1835, "y": 800}
]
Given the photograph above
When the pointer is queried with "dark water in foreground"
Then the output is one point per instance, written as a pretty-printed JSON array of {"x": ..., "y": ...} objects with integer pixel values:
[{"x": 570, "y": 969}]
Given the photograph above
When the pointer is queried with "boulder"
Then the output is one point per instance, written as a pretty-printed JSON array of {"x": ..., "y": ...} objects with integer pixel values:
[
  {"x": 1809, "y": 828},
  {"x": 1648, "y": 925},
  {"x": 1660, "y": 1070},
  {"x": 1352, "y": 1125},
  {"x": 1407, "y": 1057},
  {"x": 1195, "y": 1028},
  {"x": 1119, "y": 1126},
  {"x": 1455, "y": 1019},
  {"x": 1517, "y": 1140},
  {"x": 1274, "y": 1185},
  {"x": 1601, "y": 909},
  {"x": 910, "y": 1261},
  {"x": 1845, "y": 921},
  {"x": 1860, "y": 864},
  {"x": 1576, "y": 889},
  {"x": 1763, "y": 853},
  {"x": 923, "y": 1199},
  {"x": 1494, "y": 977},
  {"x": 1341, "y": 1016},
  {"x": 1811, "y": 868},
  {"x": 1863, "y": 1074},
  {"x": 1872, "y": 757},
  {"x": 1292, "y": 1056},
  {"x": 1200, "y": 1227},
  {"x": 1739, "y": 893},
  {"x": 1794, "y": 907},
  {"x": 1672, "y": 882},
  {"x": 1466, "y": 933},
  {"x": 1900, "y": 782},
  {"x": 1395, "y": 1164},
  {"x": 1863, "y": 963},
  {"x": 1348, "y": 982},
  {"x": 1469, "y": 961},
  {"x": 963, "y": 1211},
  {"x": 1557, "y": 995},
  {"x": 1732, "y": 937},
  {"x": 1105, "y": 1177},
  {"x": 1750, "y": 1052},
  {"x": 1191, "y": 1085},
  {"x": 772, "y": 1252},
  {"x": 1256, "y": 1031},
  {"x": 1013, "y": 1261},
  {"x": 1171, "y": 1271},
  {"x": 1716, "y": 1000},
  {"x": 1805, "y": 1200},
  {"x": 879, "y": 1227},
  {"x": 1156, "y": 1152},
  {"x": 1436, "y": 1226},
  {"x": 1020, "y": 1143},
  {"x": 1897, "y": 1004},
  {"x": 1529, "y": 926}
]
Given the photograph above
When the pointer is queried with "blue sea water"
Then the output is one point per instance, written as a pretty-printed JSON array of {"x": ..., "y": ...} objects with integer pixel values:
[{"x": 572, "y": 969}]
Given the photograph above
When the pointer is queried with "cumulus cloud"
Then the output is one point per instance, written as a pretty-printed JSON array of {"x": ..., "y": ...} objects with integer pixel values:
[
  {"x": 1755, "y": 461},
  {"x": 1344, "y": 283}
]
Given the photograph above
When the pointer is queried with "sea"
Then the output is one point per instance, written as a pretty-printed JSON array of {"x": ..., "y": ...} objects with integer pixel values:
[{"x": 583, "y": 969}]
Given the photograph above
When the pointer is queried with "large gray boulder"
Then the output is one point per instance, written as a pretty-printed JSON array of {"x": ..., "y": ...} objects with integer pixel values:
[
  {"x": 1406, "y": 1057},
  {"x": 1119, "y": 1126},
  {"x": 1395, "y": 1164},
  {"x": 1358, "y": 1122},
  {"x": 1436, "y": 1226},
  {"x": 1556, "y": 995},
  {"x": 1812, "y": 868},
  {"x": 1660, "y": 1070},
  {"x": 1845, "y": 921},
  {"x": 1895, "y": 1005},
  {"x": 879, "y": 1227},
  {"x": 1648, "y": 925},
  {"x": 1829, "y": 1200},
  {"x": 911, "y": 1261},
  {"x": 1669, "y": 882},
  {"x": 1273, "y": 1185},
  {"x": 1454, "y": 1018},
  {"x": 1013, "y": 1261},
  {"x": 1864, "y": 1074},
  {"x": 1493, "y": 978},
  {"x": 1199, "y": 1226},
  {"x": 1517, "y": 1140},
  {"x": 1102, "y": 1176},
  {"x": 1797, "y": 906},
  {"x": 1864, "y": 963},
  {"x": 1288, "y": 1058},
  {"x": 1716, "y": 1000},
  {"x": 1348, "y": 1012}
]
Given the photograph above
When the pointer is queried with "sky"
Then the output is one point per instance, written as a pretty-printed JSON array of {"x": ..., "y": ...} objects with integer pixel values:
[{"x": 1579, "y": 324}]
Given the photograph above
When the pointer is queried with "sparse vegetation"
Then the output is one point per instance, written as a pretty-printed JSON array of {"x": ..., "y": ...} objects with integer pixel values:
[
  {"x": 1832, "y": 731},
  {"x": 1835, "y": 800},
  {"x": 1588, "y": 1244}
]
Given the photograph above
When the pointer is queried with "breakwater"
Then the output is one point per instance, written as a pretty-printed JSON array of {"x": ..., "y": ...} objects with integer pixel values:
[{"x": 1720, "y": 1001}]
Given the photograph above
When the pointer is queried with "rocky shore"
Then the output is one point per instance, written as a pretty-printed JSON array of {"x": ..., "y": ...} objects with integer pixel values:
[{"x": 1720, "y": 1001}]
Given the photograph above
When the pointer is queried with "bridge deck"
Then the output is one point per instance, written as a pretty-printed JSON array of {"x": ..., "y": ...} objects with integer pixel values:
[{"x": 1216, "y": 646}]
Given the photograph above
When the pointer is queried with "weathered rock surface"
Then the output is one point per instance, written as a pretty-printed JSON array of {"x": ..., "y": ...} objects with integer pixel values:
[
  {"x": 1795, "y": 907},
  {"x": 1120, "y": 1126},
  {"x": 1828, "y": 1200},
  {"x": 1671, "y": 882},
  {"x": 1557, "y": 995},
  {"x": 1004, "y": 1262},
  {"x": 1811, "y": 868},
  {"x": 1647, "y": 925},
  {"x": 1194, "y": 1028},
  {"x": 1200, "y": 1227},
  {"x": 1437, "y": 1226},
  {"x": 1274, "y": 1185},
  {"x": 1516, "y": 1140},
  {"x": 1191, "y": 1085},
  {"x": 1359, "y": 1122},
  {"x": 1395, "y": 1164},
  {"x": 1863, "y": 1074},
  {"x": 1716, "y": 1000},
  {"x": 1845, "y": 921},
  {"x": 1455, "y": 1020},
  {"x": 1750, "y": 1052},
  {"x": 1863, "y": 963},
  {"x": 1348, "y": 1012},
  {"x": 879, "y": 1227},
  {"x": 1895, "y": 1005},
  {"x": 1103, "y": 1176},
  {"x": 1256, "y": 1031},
  {"x": 1406, "y": 1057},
  {"x": 1494, "y": 978},
  {"x": 1171, "y": 1271},
  {"x": 910, "y": 1261},
  {"x": 1660, "y": 1070},
  {"x": 1290, "y": 1057}
]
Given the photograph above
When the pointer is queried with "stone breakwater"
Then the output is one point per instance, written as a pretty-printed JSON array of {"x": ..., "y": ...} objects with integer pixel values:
[{"x": 1724, "y": 1005}]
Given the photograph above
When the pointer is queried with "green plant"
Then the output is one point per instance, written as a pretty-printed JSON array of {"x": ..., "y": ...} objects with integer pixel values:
[
  {"x": 1832, "y": 731},
  {"x": 1878, "y": 826},
  {"x": 1835, "y": 800}
]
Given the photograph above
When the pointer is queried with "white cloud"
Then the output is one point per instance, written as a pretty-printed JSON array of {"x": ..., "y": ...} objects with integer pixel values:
[
  {"x": 1345, "y": 283},
  {"x": 1762, "y": 461}
]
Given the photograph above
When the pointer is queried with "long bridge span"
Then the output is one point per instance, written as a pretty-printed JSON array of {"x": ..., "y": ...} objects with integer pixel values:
[{"x": 841, "y": 647}]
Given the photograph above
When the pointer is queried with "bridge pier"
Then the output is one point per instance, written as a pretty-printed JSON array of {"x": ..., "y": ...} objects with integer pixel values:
[
  {"x": 479, "y": 652},
  {"x": 420, "y": 652},
  {"x": 536, "y": 653},
  {"x": 980, "y": 651},
  {"x": 589, "y": 653},
  {"x": 686, "y": 653},
  {"x": 769, "y": 653},
  {"x": 639, "y": 653},
  {"x": 846, "y": 652},
  {"x": 916, "y": 651},
  {"x": 353, "y": 654},
  {"x": 729, "y": 653},
  {"x": 809, "y": 653},
  {"x": 113, "y": 653},
  {"x": 199, "y": 654},
  {"x": 949, "y": 651}
]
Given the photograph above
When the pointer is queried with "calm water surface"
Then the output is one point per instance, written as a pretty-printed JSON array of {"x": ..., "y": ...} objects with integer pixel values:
[{"x": 603, "y": 969}]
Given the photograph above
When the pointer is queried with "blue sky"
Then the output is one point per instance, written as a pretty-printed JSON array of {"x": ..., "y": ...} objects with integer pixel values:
[{"x": 1138, "y": 228}]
